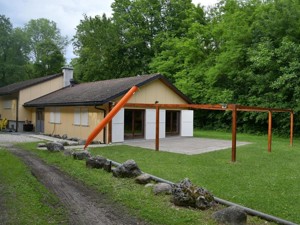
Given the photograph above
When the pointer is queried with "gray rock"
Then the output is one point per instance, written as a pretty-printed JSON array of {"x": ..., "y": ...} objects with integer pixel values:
[
  {"x": 107, "y": 166},
  {"x": 143, "y": 179},
  {"x": 80, "y": 155},
  {"x": 127, "y": 169},
  {"x": 55, "y": 147},
  {"x": 64, "y": 143},
  {"x": 68, "y": 152},
  {"x": 97, "y": 162},
  {"x": 149, "y": 185},
  {"x": 162, "y": 188},
  {"x": 232, "y": 215},
  {"x": 41, "y": 145},
  {"x": 187, "y": 194},
  {"x": 65, "y": 136}
]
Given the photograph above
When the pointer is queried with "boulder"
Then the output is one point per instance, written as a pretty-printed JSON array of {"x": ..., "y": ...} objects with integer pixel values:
[
  {"x": 80, "y": 155},
  {"x": 127, "y": 169},
  {"x": 189, "y": 195},
  {"x": 54, "y": 147},
  {"x": 143, "y": 179},
  {"x": 41, "y": 145},
  {"x": 68, "y": 152},
  {"x": 162, "y": 188},
  {"x": 97, "y": 162},
  {"x": 107, "y": 166},
  {"x": 65, "y": 136},
  {"x": 232, "y": 215}
]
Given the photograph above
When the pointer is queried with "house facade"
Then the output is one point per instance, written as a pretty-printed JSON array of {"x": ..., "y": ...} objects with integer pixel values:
[
  {"x": 14, "y": 96},
  {"x": 75, "y": 109}
]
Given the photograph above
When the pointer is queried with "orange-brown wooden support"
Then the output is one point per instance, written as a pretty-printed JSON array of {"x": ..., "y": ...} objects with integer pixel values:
[
  {"x": 110, "y": 106},
  {"x": 157, "y": 128},
  {"x": 292, "y": 129},
  {"x": 270, "y": 131},
  {"x": 234, "y": 119}
]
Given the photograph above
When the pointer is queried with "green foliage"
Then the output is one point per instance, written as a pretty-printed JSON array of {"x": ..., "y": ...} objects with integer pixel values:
[
  {"x": 46, "y": 47},
  {"x": 33, "y": 51},
  {"x": 23, "y": 198},
  {"x": 13, "y": 52}
]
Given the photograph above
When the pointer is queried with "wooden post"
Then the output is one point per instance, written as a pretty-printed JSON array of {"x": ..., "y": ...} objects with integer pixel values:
[
  {"x": 110, "y": 106},
  {"x": 233, "y": 148},
  {"x": 157, "y": 128},
  {"x": 292, "y": 129},
  {"x": 270, "y": 132}
]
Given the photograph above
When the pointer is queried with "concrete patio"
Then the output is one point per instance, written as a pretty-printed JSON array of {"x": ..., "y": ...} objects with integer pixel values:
[{"x": 185, "y": 145}]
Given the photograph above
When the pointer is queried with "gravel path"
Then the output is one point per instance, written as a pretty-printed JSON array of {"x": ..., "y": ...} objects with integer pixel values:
[{"x": 15, "y": 138}]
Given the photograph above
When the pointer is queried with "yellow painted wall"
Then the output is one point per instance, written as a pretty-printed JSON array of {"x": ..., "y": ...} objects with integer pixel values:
[
  {"x": 156, "y": 91},
  {"x": 67, "y": 126},
  {"x": 9, "y": 113},
  {"x": 34, "y": 92}
]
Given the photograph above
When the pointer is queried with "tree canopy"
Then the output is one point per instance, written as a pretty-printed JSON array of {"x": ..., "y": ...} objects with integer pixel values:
[
  {"x": 237, "y": 51},
  {"x": 35, "y": 50}
]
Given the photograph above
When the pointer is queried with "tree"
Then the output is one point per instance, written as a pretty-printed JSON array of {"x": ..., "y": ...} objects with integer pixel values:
[
  {"x": 99, "y": 48},
  {"x": 13, "y": 50},
  {"x": 44, "y": 33}
]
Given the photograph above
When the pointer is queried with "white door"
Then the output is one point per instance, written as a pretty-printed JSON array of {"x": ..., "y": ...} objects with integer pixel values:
[
  {"x": 187, "y": 123},
  {"x": 150, "y": 121},
  {"x": 118, "y": 127}
]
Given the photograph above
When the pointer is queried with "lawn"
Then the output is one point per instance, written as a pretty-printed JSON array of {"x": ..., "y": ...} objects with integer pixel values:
[
  {"x": 268, "y": 182},
  {"x": 23, "y": 200}
]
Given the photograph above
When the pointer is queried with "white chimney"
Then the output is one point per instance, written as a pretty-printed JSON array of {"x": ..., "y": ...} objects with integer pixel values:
[{"x": 68, "y": 75}]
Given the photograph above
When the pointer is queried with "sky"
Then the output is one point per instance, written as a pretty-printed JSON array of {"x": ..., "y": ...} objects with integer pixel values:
[{"x": 65, "y": 13}]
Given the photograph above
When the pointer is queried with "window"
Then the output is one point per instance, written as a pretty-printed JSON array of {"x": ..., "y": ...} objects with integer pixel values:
[
  {"x": 7, "y": 104},
  {"x": 81, "y": 116},
  {"x": 55, "y": 115}
]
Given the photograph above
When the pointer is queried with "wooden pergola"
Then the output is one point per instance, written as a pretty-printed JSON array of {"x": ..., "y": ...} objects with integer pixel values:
[{"x": 221, "y": 107}]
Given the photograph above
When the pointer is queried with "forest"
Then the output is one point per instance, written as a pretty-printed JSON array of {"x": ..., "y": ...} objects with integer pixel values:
[{"x": 237, "y": 51}]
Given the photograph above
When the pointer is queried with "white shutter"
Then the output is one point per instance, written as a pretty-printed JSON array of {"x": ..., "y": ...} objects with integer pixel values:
[
  {"x": 84, "y": 117},
  {"x": 162, "y": 123},
  {"x": 150, "y": 121},
  {"x": 77, "y": 116},
  {"x": 57, "y": 115},
  {"x": 187, "y": 123},
  {"x": 118, "y": 127}
]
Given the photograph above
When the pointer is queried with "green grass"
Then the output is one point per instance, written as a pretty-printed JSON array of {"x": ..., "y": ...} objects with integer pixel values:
[
  {"x": 263, "y": 181},
  {"x": 23, "y": 199}
]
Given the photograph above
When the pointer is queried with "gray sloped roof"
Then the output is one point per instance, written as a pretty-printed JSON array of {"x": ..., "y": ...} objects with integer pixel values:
[
  {"x": 15, "y": 87},
  {"x": 97, "y": 93}
]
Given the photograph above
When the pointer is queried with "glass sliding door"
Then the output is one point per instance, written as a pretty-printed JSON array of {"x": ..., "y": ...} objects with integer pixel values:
[
  {"x": 172, "y": 122},
  {"x": 134, "y": 123}
]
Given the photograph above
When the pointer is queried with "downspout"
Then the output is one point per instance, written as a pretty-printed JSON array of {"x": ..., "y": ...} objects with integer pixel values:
[
  {"x": 104, "y": 115},
  {"x": 17, "y": 114},
  {"x": 226, "y": 203}
]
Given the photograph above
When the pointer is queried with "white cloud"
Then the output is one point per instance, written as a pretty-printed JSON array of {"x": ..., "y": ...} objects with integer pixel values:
[{"x": 66, "y": 13}]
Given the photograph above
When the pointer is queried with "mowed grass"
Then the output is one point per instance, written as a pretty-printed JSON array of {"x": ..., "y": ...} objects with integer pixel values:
[
  {"x": 268, "y": 182},
  {"x": 23, "y": 200}
]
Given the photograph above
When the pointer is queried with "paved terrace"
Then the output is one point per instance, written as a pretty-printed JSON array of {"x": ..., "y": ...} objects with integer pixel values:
[{"x": 181, "y": 145}]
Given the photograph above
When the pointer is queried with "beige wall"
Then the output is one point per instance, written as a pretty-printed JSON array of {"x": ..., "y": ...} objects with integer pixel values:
[
  {"x": 156, "y": 91},
  {"x": 34, "y": 92},
  {"x": 8, "y": 113},
  {"x": 67, "y": 126}
]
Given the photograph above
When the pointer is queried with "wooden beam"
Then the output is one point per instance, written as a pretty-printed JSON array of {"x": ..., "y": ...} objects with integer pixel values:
[
  {"x": 270, "y": 132},
  {"x": 157, "y": 129},
  {"x": 233, "y": 148}
]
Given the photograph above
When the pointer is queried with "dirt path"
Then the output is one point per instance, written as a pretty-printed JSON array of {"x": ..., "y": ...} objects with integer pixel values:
[{"x": 85, "y": 206}]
